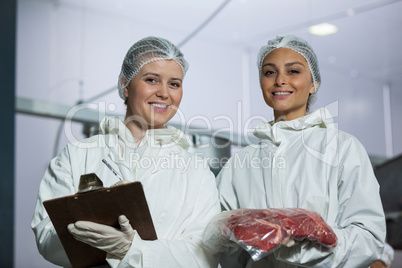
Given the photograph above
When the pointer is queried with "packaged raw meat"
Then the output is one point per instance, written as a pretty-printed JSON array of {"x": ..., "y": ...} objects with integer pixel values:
[{"x": 262, "y": 231}]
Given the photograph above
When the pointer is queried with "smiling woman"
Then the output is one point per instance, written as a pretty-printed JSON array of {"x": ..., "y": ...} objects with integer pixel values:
[
  {"x": 294, "y": 61},
  {"x": 153, "y": 95},
  {"x": 323, "y": 170},
  {"x": 181, "y": 198},
  {"x": 150, "y": 82},
  {"x": 286, "y": 83}
]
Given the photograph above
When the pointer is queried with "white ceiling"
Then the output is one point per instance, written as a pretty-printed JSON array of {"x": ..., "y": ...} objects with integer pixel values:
[{"x": 367, "y": 45}]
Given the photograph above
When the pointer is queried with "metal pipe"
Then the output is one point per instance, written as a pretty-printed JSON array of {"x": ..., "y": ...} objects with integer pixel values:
[{"x": 386, "y": 93}]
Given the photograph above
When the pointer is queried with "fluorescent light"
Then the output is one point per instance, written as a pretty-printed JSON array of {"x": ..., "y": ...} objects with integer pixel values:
[{"x": 323, "y": 29}]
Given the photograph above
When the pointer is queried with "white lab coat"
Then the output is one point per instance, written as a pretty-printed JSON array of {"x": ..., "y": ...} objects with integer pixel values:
[
  {"x": 308, "y": 163},
  {"x": 180, "y": 190}
]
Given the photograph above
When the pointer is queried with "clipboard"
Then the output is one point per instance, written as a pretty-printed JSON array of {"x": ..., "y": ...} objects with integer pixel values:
[{"x": 102, "y": 206}]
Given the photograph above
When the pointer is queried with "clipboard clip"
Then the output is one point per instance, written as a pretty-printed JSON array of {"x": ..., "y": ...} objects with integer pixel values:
[{"x": 89, "y": 182}]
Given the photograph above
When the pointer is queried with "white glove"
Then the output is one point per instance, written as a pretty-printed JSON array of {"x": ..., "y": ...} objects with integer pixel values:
[
  {"x": 114, "y": 241},
  {"x": 120, "y": 183}
]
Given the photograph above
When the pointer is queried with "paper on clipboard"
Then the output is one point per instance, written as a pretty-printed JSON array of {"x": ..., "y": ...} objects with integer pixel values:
[{"x": 102, "y": 206}]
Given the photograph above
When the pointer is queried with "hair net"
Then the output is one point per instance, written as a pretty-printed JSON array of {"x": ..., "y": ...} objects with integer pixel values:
[
  {"x": 145, "y": 51},
  {"x": 300, "y": 46}
]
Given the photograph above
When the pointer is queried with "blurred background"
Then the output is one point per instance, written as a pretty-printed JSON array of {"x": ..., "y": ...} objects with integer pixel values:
[{"x": 69, "y": 52}]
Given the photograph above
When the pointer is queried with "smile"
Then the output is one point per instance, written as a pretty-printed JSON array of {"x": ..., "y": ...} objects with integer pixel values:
[
  {"x": 281, "y": 93},
  {"x": 158, "y": 105}
]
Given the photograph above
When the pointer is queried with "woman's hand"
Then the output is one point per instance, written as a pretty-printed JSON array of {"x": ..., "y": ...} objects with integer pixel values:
[
  {"x": 378, "y": 264},
  {"x": 114, "y": 241},
  {"x": 120, "y": 183}
]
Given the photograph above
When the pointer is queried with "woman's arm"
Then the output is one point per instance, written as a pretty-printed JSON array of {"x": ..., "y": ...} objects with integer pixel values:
[
  {"x": 56, "y": 182},
  {"x": 227, "y": 195},
  {"x": 187, "y": 249},
  {"x": 359, "y": 223}
]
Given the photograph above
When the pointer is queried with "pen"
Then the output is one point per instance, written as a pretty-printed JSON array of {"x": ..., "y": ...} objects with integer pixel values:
[{"x": 114, "y": 171}]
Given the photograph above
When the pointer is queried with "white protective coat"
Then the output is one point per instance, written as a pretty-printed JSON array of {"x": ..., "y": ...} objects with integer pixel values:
[
  {"x": 307, "y": 163},
  {"x": 180, "y": 190}
]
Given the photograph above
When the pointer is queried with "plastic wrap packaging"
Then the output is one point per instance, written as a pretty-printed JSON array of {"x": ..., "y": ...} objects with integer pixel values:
[{"x": 262, "y": 231}]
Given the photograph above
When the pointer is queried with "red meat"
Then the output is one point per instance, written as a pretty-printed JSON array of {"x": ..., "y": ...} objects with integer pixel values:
[
  {"x": 256, "y": 232},
  {"x": 309, "y": 225},
  {"x": 266, "y": 229}
]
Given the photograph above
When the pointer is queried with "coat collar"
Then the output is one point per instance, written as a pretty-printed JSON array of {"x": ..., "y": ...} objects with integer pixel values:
[
  {"x": 123, "y": 147},
  {"x": 165, "y": 137},
  {"x": 275, "y": 131}
]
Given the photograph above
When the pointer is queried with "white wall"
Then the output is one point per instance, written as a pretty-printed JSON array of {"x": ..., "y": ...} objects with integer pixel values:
[{"x": 64, "y": 55}]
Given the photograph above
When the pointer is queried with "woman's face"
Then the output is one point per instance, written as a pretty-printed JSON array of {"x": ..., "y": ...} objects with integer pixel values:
[
  {"x": 286, "y": 83},
  {"x": 154, "y": 94}
]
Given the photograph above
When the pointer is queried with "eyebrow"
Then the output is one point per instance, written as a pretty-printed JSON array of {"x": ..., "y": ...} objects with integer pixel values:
[
  {"x": 158, "y": 75},
  {"x": 149, "y": 73},
  {"x": 287, "y": 64}
]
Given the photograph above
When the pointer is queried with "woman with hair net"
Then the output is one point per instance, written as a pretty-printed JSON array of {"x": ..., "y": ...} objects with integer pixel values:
[
  {"x": 182, "y": 198},
  {"x": 304, "y": 162}
]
